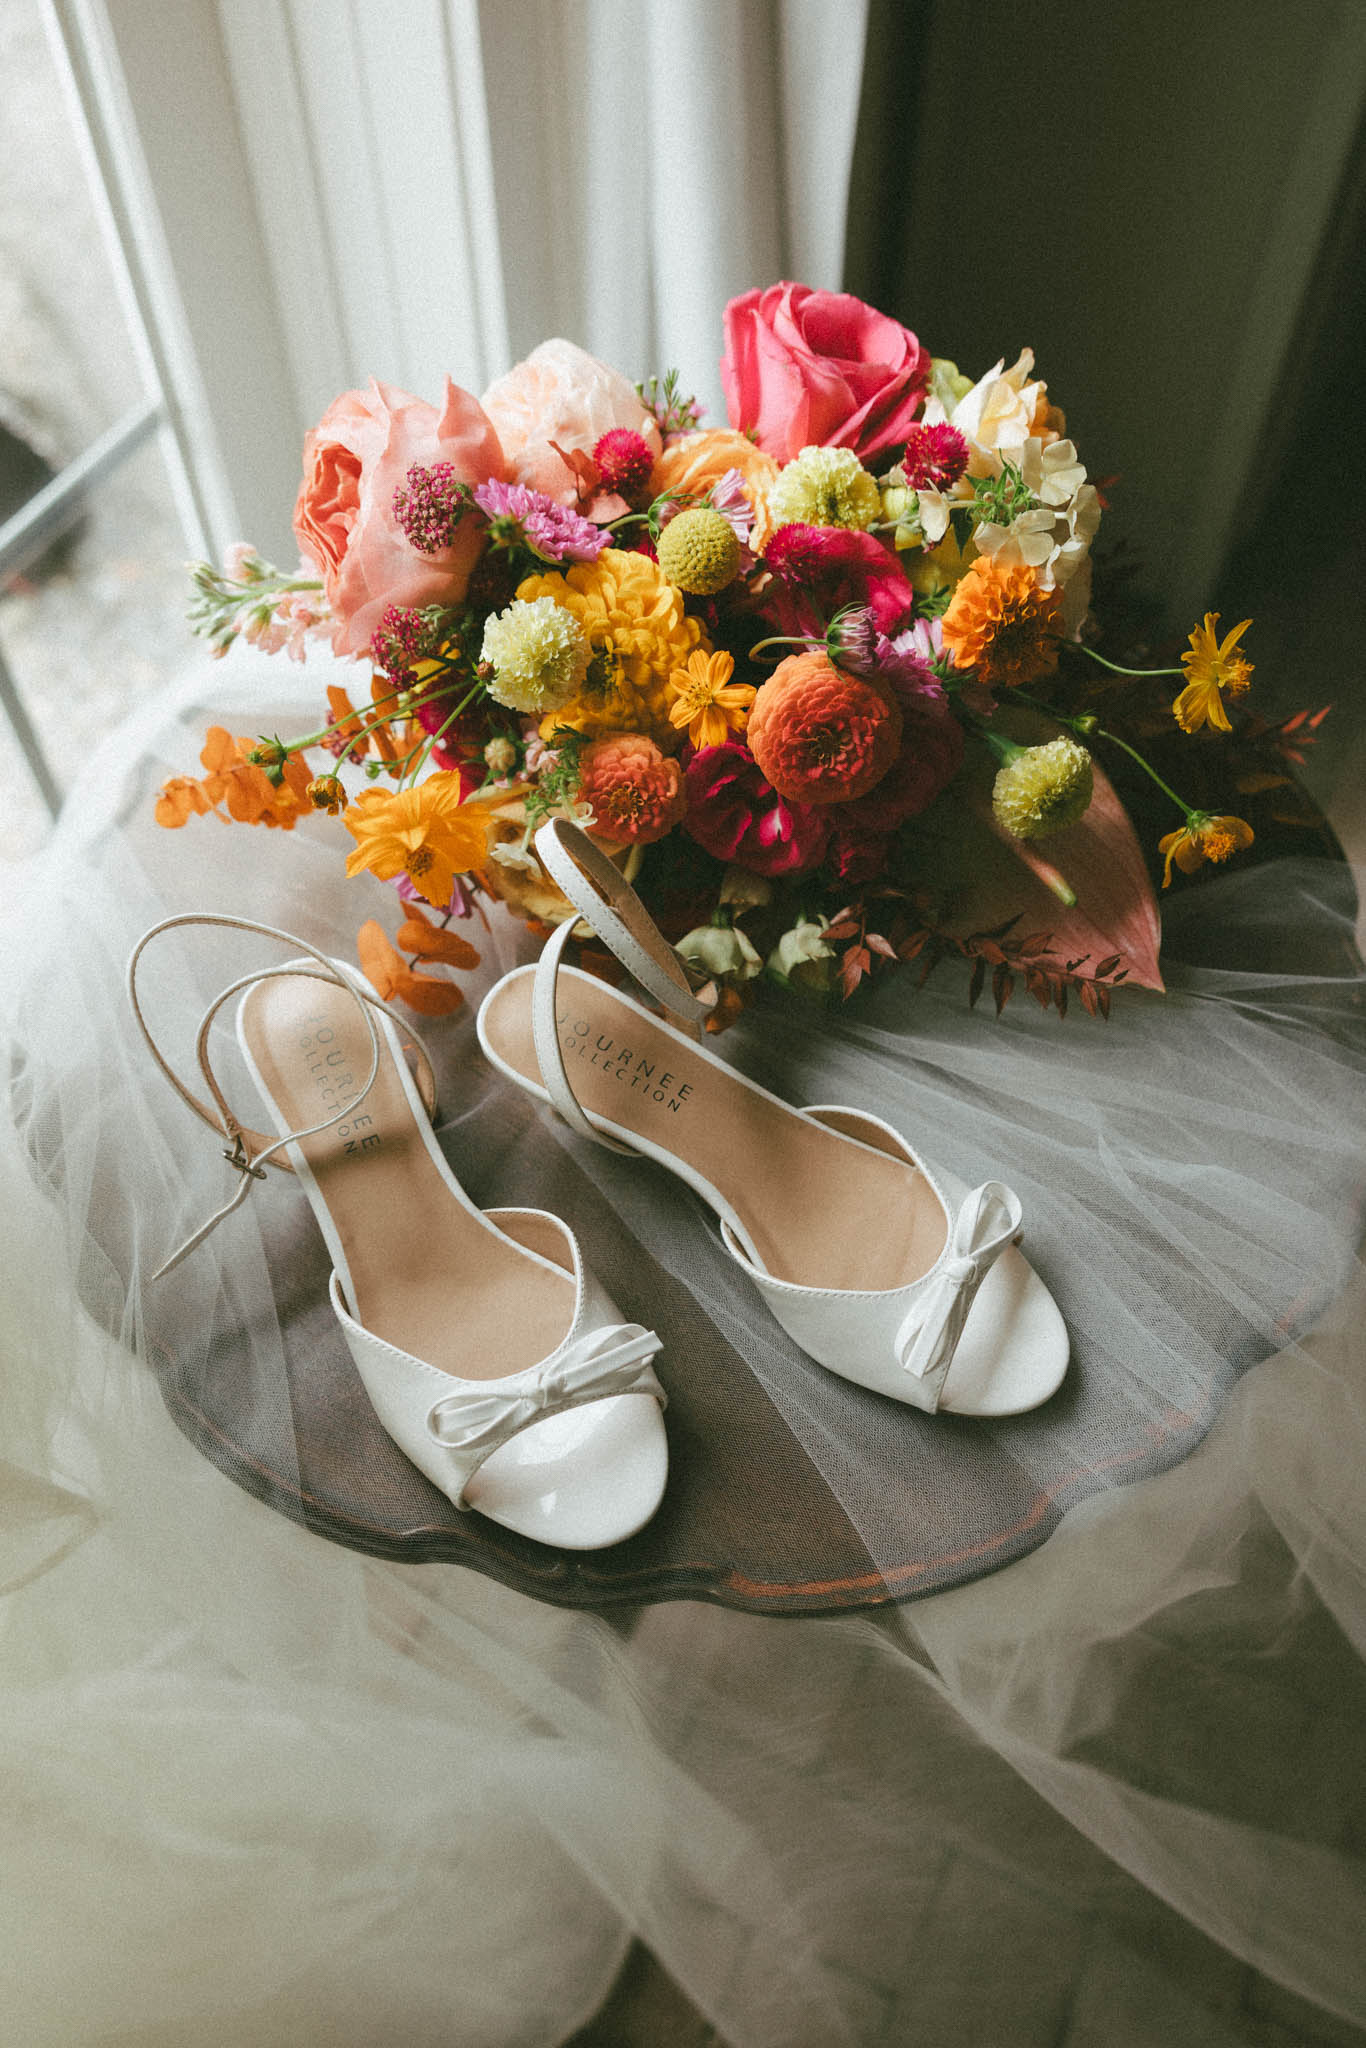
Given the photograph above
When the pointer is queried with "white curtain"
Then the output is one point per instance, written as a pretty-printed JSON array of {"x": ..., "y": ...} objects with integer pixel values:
[{"x": 442, "y": 186}]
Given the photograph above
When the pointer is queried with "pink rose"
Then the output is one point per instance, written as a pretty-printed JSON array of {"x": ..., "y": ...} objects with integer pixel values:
[
  {"x": 354, "y": 460},
  {"x": 560, "y": 395},
  {"x": 806, "y": 368},
  {"x": 737, "y": 816}
]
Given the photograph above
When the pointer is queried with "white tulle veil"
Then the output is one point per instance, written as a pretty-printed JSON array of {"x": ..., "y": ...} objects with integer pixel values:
[{"x": 264, "y": 1787}]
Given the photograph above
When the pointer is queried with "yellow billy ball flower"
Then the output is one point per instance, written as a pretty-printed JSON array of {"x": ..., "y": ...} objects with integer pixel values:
[
  {"x": 699, "y": 551},
  {"x": 1043, "y": 789}
]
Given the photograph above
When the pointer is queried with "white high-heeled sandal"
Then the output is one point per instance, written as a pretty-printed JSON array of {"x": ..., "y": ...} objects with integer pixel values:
[
  {"x": 490, "y": 1354},
  {"x": 886, "y": 1270}
]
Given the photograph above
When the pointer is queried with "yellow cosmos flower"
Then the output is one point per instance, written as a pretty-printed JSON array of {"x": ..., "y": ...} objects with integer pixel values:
[
  {"x": 1201, "y": 838},
  {"x": 425, "y": 833},
  {"x": 1211, "y": 667},
  {"x": 706, "y": 701},
  {"x": 638, "y": 633}
]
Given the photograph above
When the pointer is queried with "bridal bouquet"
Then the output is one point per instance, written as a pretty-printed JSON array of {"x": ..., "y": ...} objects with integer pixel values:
[{"x": 787, "y": 671}]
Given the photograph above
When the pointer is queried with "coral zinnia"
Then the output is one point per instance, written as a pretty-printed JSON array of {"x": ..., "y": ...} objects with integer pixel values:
[
  {"x": 1202, "y": 838},
  {"x": 1000, "y": 623},
  {"x": 636, "y": 792},
  {"x": 425, "y": 833},
  {"x": 706, "y": 701},
  {"x": 1211, "y": 666},
  {"x": 822, "y": 736}
]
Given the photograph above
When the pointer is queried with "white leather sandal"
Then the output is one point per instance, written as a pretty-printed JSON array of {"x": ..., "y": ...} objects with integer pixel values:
[
  {"x": 885, "y": 1269},
  {"x": 492, "y": 1357}
]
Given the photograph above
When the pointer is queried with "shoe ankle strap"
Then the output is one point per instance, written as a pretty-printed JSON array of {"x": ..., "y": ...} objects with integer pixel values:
[
  {"x": 611, "y": 906},
  {"x": 606, "y": 900},
  {"x": 248, "y": 1150}
]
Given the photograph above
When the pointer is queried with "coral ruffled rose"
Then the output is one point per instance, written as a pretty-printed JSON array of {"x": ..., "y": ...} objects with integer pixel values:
[
  {"x": 737, "y": 816},
  {"x": 806, "y": 368},
  {"x": 561, "y": 395},
  {"x": 354, "y": 460},
  {"x": 819, "y": 735}
]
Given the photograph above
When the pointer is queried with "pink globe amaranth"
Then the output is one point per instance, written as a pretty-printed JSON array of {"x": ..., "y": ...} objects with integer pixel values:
[
  {"x": 736, "y": 815},
  {"x": 930, "y": 755},
  {"x": 806, "y": 367},
  {"x": 355, "y": 459}
]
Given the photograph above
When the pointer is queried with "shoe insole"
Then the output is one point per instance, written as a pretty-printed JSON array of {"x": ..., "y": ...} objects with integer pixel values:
[
  {"x": 425, "y": 1273},
  {"x": 822, "y": 1210}
]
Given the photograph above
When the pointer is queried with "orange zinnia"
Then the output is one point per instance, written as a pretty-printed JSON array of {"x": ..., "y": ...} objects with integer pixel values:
[
  {"x": 1202, "y": 838},
  {"x": 425, "y": 833},
  {"x": 1001, "y": 623}
]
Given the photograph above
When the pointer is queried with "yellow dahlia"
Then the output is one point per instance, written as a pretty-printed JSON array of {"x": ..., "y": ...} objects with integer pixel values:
[
  {"x": 638, "y": 633},
  {"x": 1211, "y": 667},
  {"x": 1043, "y": 789},
  {"x": 424, "y": 833}
]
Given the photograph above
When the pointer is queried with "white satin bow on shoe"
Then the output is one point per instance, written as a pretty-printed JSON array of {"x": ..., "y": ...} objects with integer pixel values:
[
  {"x": 882, "y": 1267},
  {"x": 490, "y": 1354}
]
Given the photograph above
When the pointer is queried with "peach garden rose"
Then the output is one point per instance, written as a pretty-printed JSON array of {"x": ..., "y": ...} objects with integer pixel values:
[
  {"x": 560, "y": 397},
  {"x": 355, "y": 459}
]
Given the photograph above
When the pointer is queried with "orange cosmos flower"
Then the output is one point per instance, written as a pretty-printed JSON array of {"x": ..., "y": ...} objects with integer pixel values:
[
  {"x": 1202, "y": 838},
  {"x": 706, "y": 701},
  {"x": 1211, "y": 667},
  {"x": 425, "y": 833},
  {"x": 1001, "y": 623},
  {"x": 393, "y": 980}
]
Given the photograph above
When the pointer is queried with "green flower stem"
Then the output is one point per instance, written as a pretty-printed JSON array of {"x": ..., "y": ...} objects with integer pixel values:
[
  {"x": 315, "y": 739},
  {"x": 1004, "y": 750},
  {"x": 1085, "y": 730},
  {"x": 424, "y": 748},
  {"x": 1187, "y": 810},
  {"x": 785, "y": 640},
  {"x": 1115, "y": 668}
]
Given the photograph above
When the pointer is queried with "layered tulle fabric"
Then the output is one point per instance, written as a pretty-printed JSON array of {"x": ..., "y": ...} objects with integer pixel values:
[{"x": 260, "y": 1786}]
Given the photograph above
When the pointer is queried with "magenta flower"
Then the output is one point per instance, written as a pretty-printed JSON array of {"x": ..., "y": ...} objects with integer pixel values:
[
  {"x": 817, "y": 570},
  {"x": 737, "y": 816},
  {"x": 931, "y": 755},
  {"x": 935, "y": 457},
  {"x": 553, "y": 531}
]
